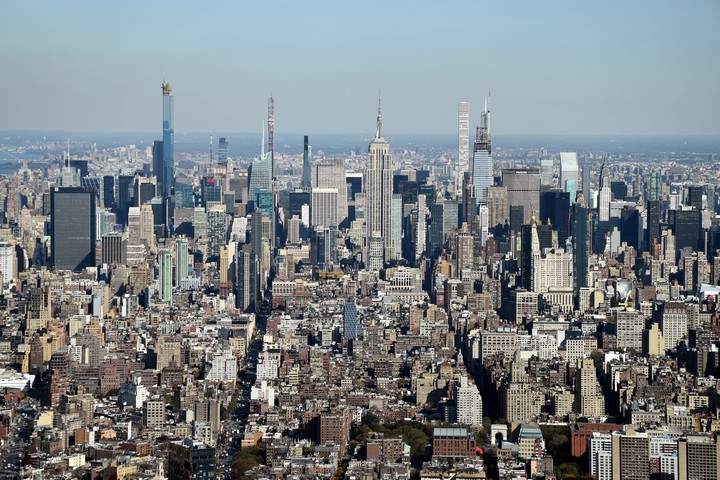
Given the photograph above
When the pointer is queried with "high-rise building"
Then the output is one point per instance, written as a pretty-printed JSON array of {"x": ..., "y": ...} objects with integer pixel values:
[
  {"x": 605, "y": 193},
  {"x": 307, "y": 163},
  {"x": 217, "y": 226},
  {"x": 468, "y": 402},
  {"x": 165, "y": 275},
  {"x": 352, "y": 327},
  {"x": 463, "y": 163},
  {"x": 8, "y": 263},
  {"x": 581, "y": 246},
  {"x": 181, "y": 260},
  {"x": 555, "y": 210},
  {"x": 695, "y": 197},
  {"x": 223, "y": 150},
  {"x": 698, "y": 457},
  {"x": 247, "y": 279},
  {"x": 330, "y": 173},
  {"x": 630, "y": 455},
  {"x": 569, "y": 173},
  {"x": 168, "y": 142},
  {"x": 523, "y": 189},
  {"x": 114, "y": 249},
  {"x": 546, "y": 171},
  {"x": 482, "y": 168},
  {"x": 378, "y": 188},
  {"x": 72, "y": 227},
  {"x": 324, "y": 209},
  {"x": 600, "y": 456},
  {"x": 585, "y": 182},
  {"x": 109, "y": 192}
]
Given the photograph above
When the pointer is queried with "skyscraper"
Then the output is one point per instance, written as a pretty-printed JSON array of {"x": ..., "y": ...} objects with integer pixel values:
[
  {"x": 181, "y": 260},
  {"x": 307, "y": 163},
  {"x": 569, "y": 173},
  {"x": 378, "y": 188},
  {"x": 330, "y": 173},
  {"x": 352, "y": 327},
  {"x": 165, "y": 277},
  {"x": 482, "y": 168},
  {"x": 605, "y": 193},
  {"x": 222, "y": 150},
  {"x": 463, "y": 163},
  {"x": 72, "y": 228},
  {"x": 581, "y": 247},
  {"x": 168, "y": 143}
]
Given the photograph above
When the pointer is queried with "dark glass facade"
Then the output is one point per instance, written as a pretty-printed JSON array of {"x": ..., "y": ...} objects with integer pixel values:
[{"x": 72, "y": 228}]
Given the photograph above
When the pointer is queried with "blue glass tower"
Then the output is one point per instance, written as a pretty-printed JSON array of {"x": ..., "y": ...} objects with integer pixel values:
[
  {"x": 168, "y": 144},
  {"x": 482, "y": 164}
]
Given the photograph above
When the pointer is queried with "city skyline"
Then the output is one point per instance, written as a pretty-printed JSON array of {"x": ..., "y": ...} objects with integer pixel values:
[{"x": 561, "y": 69}]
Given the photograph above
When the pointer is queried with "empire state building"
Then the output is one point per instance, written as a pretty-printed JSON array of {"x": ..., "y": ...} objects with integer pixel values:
[{"x": 378, "y": 190}]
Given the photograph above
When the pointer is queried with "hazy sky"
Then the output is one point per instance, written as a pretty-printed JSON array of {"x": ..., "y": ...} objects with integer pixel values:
[{"x": 610, "y": 67}]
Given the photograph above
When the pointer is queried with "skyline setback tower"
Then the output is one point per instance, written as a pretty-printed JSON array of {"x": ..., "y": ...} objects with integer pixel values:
[
  {"x": 378, "y": 189},
  {"x": 463, "y": 143},
  {"x": 168, "y": 145},
  {"x": 482, "y": 166}
]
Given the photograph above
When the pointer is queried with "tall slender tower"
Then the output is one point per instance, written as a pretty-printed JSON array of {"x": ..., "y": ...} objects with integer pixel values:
[
  {"x": 168, "y": 145},
  {"x": 271, "y": 147},
  {"x": 378, "y": 190},
  {"x": 307, "y": 164},
  {"x": 463, "y": 163},
  {"x": 605, "y": 193},
  {"x": 482, "y": 167}
]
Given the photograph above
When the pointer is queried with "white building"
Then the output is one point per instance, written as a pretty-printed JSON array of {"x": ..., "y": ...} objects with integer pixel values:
[{"x": 469, "y": 402}]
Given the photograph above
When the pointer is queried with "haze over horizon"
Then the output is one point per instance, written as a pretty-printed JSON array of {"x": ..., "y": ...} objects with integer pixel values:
[{"x": 559, "y": 68}]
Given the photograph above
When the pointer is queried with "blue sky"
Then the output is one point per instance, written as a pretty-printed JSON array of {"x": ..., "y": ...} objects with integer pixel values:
[{"x": 556, "y": 67}]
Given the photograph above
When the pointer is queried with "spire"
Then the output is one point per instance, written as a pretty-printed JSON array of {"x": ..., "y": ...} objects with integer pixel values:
[{"x": 378, "y": 128}]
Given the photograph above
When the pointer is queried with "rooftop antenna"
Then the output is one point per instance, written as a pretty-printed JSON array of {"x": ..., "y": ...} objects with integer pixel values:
[
  {"x": 262, "y": 142},
  {"x": 67, "y": 159}
]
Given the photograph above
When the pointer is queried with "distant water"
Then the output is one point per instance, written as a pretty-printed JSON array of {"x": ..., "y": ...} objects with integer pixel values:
[
  {"x": 10, "y": 162},
  {"x": 246, "y": 145}
]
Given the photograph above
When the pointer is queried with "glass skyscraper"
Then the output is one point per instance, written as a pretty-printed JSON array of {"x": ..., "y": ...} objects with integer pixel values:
[
  {"x": 168, "y": 143},
  {"x": 72, "y": 228}
]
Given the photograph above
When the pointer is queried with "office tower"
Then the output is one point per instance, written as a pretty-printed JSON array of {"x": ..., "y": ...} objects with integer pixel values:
[
  {"x": 673, "y": 319},
  {"x": 158, "y": 166},
  {"x": 585, "y": 182},
  {"x": 8, "y": 262},
  {"x": 463, "y": 163},
  {"x": 125, "y": 187},
  {"x": 247, "y": 279},
  {"x": 165, "y": 276},
  {"x": 464, "y": 250},
  {"x": 654, "y": 215},
  {"x": 618, "y": 189},
  {"x": 145, "y": 190},
  {"x": 190, "y": 459},
  {"x": 72, "y": 228},
  {"x": 436, "y": 235},
  {"x": 167, "y": 180},
  {"x": 396, "y": 211},
  {"x": 376, "y": 246},
  {"x": 546, "y": 171},
  {"x": 330, "y": 173},
  {"x": 581, "y": 246},
  {"x": 355, "y": 184},
  {"x": 181, "y": 260},
  {"x": 686, "y": 225},
  {"x": 324, "y": 209},
  {"x": 530, "y": 255},
  {"x": 497, "y": 202},
  {"x": 523, "y": 190},
  {"x": 605, "y": 193},
  {"x": 223, "y": 151},
  {"x": 114, "y": 249},
  {"x": 109, "y": 192},
  {"x": 654, "y": 186},
  {"x": 260, "y": 175},
  {"x": 695, "y": 194},
  {"x": 631, "y": 228},
  {"x": 378, "y": 188},
  {"x": 468, "y": 402},
  {"x": 184, "y": 193},
  {"x": 555, "y": 210},
  {"x": 482, "y": 168},
  {"x": 698, "y": 457},
  {"x": 569, "y": 173},
  {"x": 211, "y": 190},
  {"x": 307, "y": 164},
  {"x": 352, "y": 327}
]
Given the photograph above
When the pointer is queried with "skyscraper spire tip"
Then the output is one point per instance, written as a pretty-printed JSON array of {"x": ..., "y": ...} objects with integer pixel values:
[{"x": 378, "y": 129}]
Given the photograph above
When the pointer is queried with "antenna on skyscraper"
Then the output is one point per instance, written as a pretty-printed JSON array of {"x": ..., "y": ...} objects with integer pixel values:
[
  {"x": 262, "y": 142},
  {"x": 211, "y": 153},
  {"x": 67, "y": 159}
]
